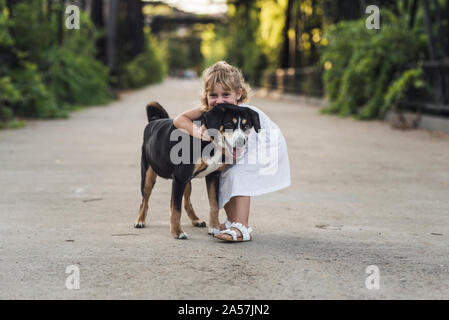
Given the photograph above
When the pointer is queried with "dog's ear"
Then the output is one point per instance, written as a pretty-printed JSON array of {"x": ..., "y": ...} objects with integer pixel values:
[
  {"x": 254, "y": 116},
  {"x": 255, "y": 120},
  {"x": 213, "y": 118}
]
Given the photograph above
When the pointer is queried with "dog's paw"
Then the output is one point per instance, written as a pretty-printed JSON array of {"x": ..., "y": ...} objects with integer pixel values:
[
  {"x": 139, "y": 225},
  {"x": 199, "y": 224},
  {"x": 213, "y": 231},
  {"x": 181, "y": 236}
]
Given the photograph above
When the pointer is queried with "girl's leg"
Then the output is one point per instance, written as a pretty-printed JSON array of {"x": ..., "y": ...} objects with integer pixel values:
[{"x": 237, "y": 210}]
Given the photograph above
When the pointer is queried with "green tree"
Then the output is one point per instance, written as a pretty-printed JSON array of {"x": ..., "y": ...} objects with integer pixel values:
[{"x": 241, "y": 40}]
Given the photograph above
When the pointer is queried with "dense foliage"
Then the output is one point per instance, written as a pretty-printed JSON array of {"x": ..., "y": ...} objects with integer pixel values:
[
  {"x": 47, "y": 69},
  {"x": 44, "y": 76},
  {"x": 261, "y": 36},
  {"x": 362, "y": 64},
  {"x": 364, "y": 71},
  {"x": 147, "y": 67}
]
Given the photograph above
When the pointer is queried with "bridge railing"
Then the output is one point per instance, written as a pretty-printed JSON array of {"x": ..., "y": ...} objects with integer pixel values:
[
  {"x": 308, "y": 81},
  {"x": 304, "y": 81}
]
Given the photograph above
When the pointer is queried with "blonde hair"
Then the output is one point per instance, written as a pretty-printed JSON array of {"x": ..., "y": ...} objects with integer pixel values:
[{"x": 229, "y": 77}]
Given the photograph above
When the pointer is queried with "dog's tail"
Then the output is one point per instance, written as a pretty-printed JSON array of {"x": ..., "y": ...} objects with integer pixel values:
[{"x": 156, "y": 111}]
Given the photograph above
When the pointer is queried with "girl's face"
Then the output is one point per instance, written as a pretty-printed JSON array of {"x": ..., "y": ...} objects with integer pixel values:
[{"x": 220, "y": 95}]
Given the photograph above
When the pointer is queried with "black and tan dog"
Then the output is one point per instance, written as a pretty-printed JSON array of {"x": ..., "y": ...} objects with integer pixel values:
[{"x": 161, "y": 156}]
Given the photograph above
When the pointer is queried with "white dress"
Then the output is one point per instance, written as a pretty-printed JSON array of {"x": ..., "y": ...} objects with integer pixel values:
[{"x": 264, "y": 167}]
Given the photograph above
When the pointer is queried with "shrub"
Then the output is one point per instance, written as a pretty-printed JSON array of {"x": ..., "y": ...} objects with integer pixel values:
[
  {"x": 409, "y": 83},
  {"x": 361, "y": 64},
  {"x": 76, "y": 80},
  {"x": 74, "y": 75},
  {"x": 42, "y": 77},
  {"x": 35, "y": 99},
  {"x": 146, "y": 68}
]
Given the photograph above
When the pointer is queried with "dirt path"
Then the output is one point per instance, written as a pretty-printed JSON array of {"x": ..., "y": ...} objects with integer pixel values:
[{"x": 362, "y": 194}]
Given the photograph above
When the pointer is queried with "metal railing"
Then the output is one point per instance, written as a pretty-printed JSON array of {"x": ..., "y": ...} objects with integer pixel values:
[
  {"x": 308, "y": 81},
  {"x": 305, "y": 81},
  {"x": 436, "y": 76}
]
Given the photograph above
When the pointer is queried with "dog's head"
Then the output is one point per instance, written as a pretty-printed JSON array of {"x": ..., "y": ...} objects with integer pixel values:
[{"x": 232, "y": 126}]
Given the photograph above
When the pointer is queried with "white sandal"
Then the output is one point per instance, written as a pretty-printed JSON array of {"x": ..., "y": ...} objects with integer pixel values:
[
  {"x": 227, "y": 224},
  {"x": 246, "y": 233},
  {"x": 214, "y": 231}
]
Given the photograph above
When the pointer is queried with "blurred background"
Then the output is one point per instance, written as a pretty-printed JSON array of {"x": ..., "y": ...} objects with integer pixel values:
[{"x": 319, "y": 48}]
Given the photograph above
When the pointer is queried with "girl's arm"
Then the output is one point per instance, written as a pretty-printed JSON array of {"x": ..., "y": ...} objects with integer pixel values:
[{"x": 185, "y": 122}]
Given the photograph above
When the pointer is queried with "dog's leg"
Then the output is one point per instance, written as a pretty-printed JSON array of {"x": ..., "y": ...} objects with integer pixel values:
[
  {"x": 177, "y": 192},
  {"x": 212, "y": 184},
  {"x": 196, "y": 222},
  {"x": 148, "y": 182}
]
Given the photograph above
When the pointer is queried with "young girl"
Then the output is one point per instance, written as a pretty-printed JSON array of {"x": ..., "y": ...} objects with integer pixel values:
[{"x": 224, "y": 83}]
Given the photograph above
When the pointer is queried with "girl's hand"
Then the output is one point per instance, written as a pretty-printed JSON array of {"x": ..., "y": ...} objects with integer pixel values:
[{"x": 184, "y": 122}]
